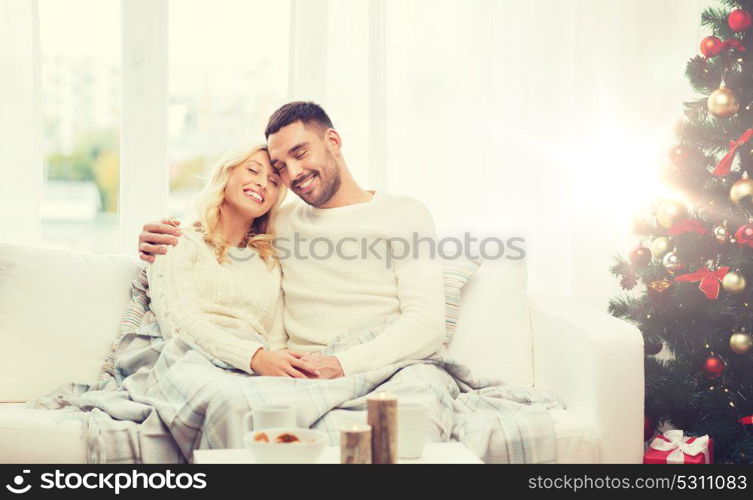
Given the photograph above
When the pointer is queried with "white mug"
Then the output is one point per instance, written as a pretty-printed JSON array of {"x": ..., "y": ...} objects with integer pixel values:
[
  {"x": 412, "y": 427},
  {"x": 269, "y": 416}
]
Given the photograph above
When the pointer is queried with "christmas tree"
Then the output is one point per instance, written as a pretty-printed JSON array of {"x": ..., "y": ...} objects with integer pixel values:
[{"x": 689, "y": 281}]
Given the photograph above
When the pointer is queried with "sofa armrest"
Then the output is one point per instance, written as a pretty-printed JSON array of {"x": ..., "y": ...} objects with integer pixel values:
[{"x": 594, "y": 363}]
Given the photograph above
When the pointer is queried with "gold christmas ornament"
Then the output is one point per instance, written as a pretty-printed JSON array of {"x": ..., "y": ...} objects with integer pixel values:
[
  {"x": 670, "y": 212},
  {"x": 721, "y": 234},
  {"x": 659, "y": 286},
  {"x": 734, "y": 282},
  {"x": 741, "y": 192},
  {"x": 740, "y": 342},
  {"x": 723, "y": 103},
  {"x": 660, "y": 246},
  {"x": 672, "y": 262}
]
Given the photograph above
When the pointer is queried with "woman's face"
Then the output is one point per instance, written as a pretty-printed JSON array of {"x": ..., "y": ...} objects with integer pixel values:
[{"x": 252, "y": 186}]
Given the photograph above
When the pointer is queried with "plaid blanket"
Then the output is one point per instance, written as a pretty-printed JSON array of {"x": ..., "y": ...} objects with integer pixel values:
[{"x": 158, "y": 399}]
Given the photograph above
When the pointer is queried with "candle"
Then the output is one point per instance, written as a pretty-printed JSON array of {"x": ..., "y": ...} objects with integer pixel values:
[
  {"x": 382, "y": 417},
  {"x": 355, "y": 445}
]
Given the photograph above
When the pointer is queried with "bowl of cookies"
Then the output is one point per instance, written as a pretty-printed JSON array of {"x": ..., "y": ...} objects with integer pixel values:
[{"x": 286, "y": 445}]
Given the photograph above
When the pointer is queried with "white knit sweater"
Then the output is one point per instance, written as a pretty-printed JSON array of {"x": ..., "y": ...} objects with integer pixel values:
[
  {"x": 326, "y": 296},
  {"x": 215, "y": 306}
]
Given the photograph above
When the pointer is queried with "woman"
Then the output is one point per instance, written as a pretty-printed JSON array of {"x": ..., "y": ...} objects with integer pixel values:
[{"x": 205, "y": 293}]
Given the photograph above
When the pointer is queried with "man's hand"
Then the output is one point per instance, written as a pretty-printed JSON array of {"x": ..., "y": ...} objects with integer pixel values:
[
  {"x": 155, "y": 236},
  {"x": 326, "y": 366},
  {"x": 282, "y": 363}
]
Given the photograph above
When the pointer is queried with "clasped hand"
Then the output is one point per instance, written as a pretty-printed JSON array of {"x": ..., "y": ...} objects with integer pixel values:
[{"x": 287, "y": 363}]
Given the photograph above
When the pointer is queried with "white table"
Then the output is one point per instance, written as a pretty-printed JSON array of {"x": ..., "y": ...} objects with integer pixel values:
[{"x": 434, "y": 453}]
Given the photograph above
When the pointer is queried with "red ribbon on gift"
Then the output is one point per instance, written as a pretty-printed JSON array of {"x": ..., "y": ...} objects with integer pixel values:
[
  {"x": 688, "y": 226},
  {"x": 710, "y": 280},
  {"x": 726, "y": 164}
]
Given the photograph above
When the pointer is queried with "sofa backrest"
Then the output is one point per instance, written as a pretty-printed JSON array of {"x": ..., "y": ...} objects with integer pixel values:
[
  {"x": 59, "y": 313},
  {"x": 493, "y": 334}
]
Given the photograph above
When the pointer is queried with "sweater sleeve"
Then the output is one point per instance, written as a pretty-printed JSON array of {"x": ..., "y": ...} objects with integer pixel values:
[
  {"x": 171, "y": 281},
  {"x": 278, "y": 337},
  {"x": 418, "y": 331}
]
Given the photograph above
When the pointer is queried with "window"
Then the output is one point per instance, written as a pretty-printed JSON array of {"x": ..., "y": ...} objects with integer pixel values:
[
  {"x": 80, "y": 72},
  {"x": 228, "y": 71}
]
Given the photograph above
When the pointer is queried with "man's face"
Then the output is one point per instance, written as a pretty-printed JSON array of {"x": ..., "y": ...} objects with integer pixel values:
[{"x": 303, "y": 159}]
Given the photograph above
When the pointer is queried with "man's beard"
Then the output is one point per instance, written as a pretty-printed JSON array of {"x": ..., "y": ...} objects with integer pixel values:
[{"x": 329, "y": 184}]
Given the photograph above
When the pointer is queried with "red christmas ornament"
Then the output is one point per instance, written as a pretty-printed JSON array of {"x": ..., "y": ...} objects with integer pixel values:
[
  {"x": 652, "y": 348},
  {"x": 710, "y": 46},
  {"x": 739, "y": 20},
  {"x": 640, "y": 257},
  {"x": 648, "y": 428},
  {"x": 713, "y": 367},
  {"x": 744, "y": 235},
  {"x": 679, "y": 155}
]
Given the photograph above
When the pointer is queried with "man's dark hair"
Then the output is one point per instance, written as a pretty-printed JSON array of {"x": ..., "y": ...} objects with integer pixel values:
[{"x": 306, "y": 112}]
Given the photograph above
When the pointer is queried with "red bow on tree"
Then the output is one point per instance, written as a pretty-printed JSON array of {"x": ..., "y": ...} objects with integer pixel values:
[
  {"x": 732, "y": 43},
  {"x": 710, "y": 280},
  {"x": 726, "y": 164},
  {"x": 688, "y": 226}
]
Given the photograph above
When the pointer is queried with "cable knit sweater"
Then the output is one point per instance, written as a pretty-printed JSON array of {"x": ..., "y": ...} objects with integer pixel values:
[
  {"x": 215, "y": 306},
  {"x": 338, "y": 277}
]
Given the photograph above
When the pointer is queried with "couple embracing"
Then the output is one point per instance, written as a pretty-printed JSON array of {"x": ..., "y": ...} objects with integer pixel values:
[{"x": 202, "y": 291}]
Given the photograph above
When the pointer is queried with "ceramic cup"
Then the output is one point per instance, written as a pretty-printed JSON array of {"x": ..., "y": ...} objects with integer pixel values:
[
  {"x": 269, "y": 416},
  {"x": 412, "y": 427}
]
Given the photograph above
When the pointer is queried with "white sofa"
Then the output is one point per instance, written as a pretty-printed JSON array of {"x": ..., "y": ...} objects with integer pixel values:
[{"x": 59, "y": 312}]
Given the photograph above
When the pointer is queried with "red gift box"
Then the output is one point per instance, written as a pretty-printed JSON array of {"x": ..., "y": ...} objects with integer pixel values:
[{"x": 674, "y": 448}]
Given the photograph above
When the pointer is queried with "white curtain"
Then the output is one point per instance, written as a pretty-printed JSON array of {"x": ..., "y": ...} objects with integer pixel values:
[
  {"x": 546, "y": 120},
  {"x": 20, "y": 123}
]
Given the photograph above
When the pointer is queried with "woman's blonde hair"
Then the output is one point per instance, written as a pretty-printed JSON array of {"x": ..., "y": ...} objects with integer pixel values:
[{"x": 212, "y": 196}]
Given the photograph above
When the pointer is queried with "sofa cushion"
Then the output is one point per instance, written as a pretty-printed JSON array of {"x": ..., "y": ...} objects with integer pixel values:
[
  {"x": 456, "y": 273},
  {"x": 59, "y": 313},
  {"x": 32, "y": 436},
  {"x": 36, "y": 436},
  {"x": 493, "y": 332}
]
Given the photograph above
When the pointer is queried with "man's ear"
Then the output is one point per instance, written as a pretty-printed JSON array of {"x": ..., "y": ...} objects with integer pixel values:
[{"x": 333, "y": 140}]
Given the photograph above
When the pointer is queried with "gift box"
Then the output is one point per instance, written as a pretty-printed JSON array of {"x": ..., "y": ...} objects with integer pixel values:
[{"x": 673, "y": 447}]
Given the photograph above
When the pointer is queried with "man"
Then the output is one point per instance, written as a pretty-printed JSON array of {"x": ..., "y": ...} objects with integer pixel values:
[{"x": 376, "y": 270}]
